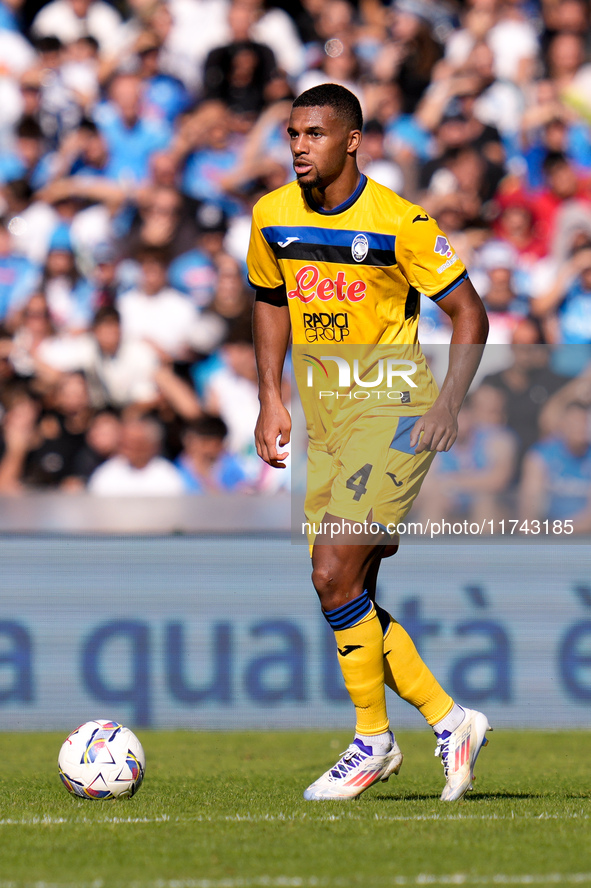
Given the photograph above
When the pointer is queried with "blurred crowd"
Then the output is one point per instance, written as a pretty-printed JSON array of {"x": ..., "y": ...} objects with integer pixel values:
[
  {"x": 523, "y": 451},
  {"x": 135, "y": 138}
]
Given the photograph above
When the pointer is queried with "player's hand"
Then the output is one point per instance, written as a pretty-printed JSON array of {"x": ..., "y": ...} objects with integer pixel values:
[
  {"x": 437, "y": 430},
  {"x": 274, "y": 422}
]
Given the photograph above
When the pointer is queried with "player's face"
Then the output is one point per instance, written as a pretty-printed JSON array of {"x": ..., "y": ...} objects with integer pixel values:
[{"x": 320, "y": 143}]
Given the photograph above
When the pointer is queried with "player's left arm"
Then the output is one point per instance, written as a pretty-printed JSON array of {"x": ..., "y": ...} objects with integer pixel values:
[{"x": 437, "y": 429}]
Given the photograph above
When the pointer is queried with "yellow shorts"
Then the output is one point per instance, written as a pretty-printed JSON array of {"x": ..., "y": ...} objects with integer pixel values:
[{"x": 372, "y": 473}]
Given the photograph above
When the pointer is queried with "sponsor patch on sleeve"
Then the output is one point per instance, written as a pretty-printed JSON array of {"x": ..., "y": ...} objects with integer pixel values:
[
  {"x": 453, "y": 258},
  {"x": 443, "y": 248}
]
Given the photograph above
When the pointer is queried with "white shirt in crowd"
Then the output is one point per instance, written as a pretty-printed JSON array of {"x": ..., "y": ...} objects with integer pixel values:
[
  {"x": 58, "y": 19},
  {"x": 125, "y": 378},
  {"x": 167, "y": 319},
  {"x": 116, "y": 477}
]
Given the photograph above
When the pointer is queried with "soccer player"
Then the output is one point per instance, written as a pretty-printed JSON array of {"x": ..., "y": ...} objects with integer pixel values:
[{"x": 336, "y": 248}]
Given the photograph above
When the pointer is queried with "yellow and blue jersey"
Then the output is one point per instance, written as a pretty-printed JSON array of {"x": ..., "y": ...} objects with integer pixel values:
[
  {"x": 357, "y": 269},
  {"x": 352, "y": 278}
]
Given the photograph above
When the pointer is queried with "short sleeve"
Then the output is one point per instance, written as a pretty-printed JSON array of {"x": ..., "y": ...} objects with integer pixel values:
[
  {"x": 263, "y": 269},
  {"x": 425, "y": 256}
]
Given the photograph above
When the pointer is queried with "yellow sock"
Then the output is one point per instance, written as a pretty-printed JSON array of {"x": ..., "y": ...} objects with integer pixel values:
[
  {"x": 361, "y": 658},
  {"x": 409, "y": 677}
]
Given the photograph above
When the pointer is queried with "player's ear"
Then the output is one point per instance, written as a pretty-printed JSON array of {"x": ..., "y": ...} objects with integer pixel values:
[{"x": 354, "y": 141}]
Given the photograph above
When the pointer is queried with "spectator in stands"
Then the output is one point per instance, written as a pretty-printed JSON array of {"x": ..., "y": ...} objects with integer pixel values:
[
  {"x": 130, "y": 135},
  {"x": 26, "y": 161},
  {"x": 231, "y": 393},
  {"x": 275, "y": 28},
  {"x": 83, "y": 152},
  {"x": 194, "y": 271},
  {"x": 498, "y": 261},
  {"x": 563, "y": 184},
  {"x": 373, "y": 160},
  {"x": 568, "y": 302},
  {"x": 238, "y": 72},
  {"x": 101, "y": 442},
  {"x": 459, "y": 166},
  {"x": 103, "y": 281},
  {"x": 30, "y": 89},
  {"x": 7, "y": 374},
  {"x": 164, "y": 96},
  {"x": 17, "y": 437},
  {"x": 157, "y": 313},
  {"x": 205, "y": 464},
  {"x": 470, "y": 480},
  {"x": 162, "y": 221},
  {"x": 556, "y": 481},
  {"x": 71, "y": 19},
  {"x": 119, "y": 372},
  {"x": 558, "y": 133},
  {"x": 18, "y": 276},
  {"x": 30, "y": 221},
  {"x": 566, "y": 16},
  {"x": 339, "y": 64},
  {"x": 566, "y": 61},
  {"x": 515, "y": 225},
  {"x": 233, "y": 299},
  {"x": 137, "y": 469},
  {"x": 527, "y": 383},
  {"x": 67, "y": 297},
  {"x": 205, "y": 141},
  {"x": 410, "y": 55},
  {"x": 60, "y": 433},
  {"x": 32, "y": 326},
  {"x": 513, "y": 40},
  {"x": 456, "y": 98},
  {"x": 406, "y": 140},
  {"x": 80, "y": 71}
]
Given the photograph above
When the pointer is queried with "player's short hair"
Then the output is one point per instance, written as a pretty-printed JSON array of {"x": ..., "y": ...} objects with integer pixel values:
[{"x": 332, "y": 95}]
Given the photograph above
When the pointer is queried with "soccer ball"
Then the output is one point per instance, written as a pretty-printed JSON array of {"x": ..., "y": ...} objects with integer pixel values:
[{"x": 102, "y": 760}]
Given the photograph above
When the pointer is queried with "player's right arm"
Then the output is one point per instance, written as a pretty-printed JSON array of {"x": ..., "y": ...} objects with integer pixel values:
[{"x": 271, "y": 329}]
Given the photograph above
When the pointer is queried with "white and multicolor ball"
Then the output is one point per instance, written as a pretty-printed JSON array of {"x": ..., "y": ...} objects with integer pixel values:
[{"x": 102, "y": 760}]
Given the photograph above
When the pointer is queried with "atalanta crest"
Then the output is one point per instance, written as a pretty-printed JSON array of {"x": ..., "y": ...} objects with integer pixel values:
[{"x": 359, "y": 247}]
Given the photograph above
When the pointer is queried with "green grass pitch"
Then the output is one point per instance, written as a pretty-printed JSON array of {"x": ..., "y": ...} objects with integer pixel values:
[{"x": 226, "y": 811}]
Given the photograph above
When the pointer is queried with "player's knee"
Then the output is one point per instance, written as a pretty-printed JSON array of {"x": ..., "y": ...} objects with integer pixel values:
[
  {"x": 324, "y": 582},
  {"x": 330, "y": 586}
]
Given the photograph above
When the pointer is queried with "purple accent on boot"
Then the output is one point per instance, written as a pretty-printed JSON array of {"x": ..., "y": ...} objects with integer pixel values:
[{"x": 368, "y": 750}]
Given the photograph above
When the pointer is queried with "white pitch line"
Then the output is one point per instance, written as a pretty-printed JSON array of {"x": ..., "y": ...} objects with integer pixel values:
[
  {"x": 302, "y": 817},
  {"x": 314, "y": 882}
]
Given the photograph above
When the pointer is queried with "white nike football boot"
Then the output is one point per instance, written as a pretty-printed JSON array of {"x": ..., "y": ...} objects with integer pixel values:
[
  {"x": 459, "y": 750},
  {"x": 356, "y": 770}
]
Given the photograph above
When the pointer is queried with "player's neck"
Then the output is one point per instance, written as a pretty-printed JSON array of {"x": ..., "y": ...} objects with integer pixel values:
[{"x": 338, "y": 192}]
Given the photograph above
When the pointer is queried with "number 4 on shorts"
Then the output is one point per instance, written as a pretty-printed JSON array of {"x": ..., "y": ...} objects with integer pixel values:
[{"x": 358, "y": 481}]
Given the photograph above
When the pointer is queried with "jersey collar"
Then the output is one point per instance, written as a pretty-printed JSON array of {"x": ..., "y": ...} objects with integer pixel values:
[{"x": 341, "y": 207}]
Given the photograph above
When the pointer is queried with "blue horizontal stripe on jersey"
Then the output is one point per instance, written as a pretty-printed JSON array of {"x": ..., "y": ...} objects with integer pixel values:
[{"x": 278, "y": 234}]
